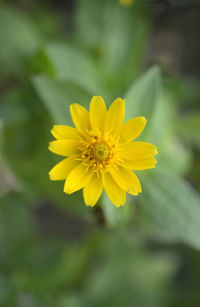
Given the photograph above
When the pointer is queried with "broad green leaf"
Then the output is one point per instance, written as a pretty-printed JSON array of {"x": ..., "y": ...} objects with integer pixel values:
[
  {"x": 58, "y": 95},
  {"x": 147, "y": 98},
  {"x": 171, "y": 152},
  {"x": 73, "y": 64},
  {"x": 144, "y": 99},
  {"x": 172, "y": 207},
  {"x": 175, "y": 156},
  {"x": 143, "y": 96}
]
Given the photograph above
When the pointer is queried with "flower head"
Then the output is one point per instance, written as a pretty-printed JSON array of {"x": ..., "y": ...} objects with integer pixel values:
[
  {"x": 126, "y": 2},
  {"x": 101, "y": 152}
]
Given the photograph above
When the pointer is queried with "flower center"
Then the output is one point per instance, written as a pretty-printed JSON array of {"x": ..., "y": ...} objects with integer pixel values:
[{"x": 100, "y": 151}]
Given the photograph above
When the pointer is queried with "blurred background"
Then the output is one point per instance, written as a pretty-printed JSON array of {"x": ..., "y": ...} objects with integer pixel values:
[{"x": 54, "y": 251}]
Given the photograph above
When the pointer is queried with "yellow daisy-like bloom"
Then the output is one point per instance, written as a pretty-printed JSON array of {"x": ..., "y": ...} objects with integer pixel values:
[
  {"x": 100, "y": 152},
  {"x": 126, "y": 2}
]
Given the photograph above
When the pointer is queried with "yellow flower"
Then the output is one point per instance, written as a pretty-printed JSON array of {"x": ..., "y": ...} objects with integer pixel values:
[
  {"x": 100, "y": 152},
  {"x": 126, "y": 2}
]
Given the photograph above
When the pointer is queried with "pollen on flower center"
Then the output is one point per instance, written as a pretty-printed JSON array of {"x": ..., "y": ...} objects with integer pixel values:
[{"x": 100, "y": 151}]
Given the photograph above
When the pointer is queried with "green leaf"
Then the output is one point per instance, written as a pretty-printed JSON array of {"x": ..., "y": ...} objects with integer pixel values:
[
  {"x": 70, "y": 63},
  {"x": 188, "y": 128},
  {"x": 15, "y": 220},
  {"x": 58, "y": 95},
  {"x": 144, "y": 99},
  {"x": 127, "y": 269},
  {"x": 116, "y": 36},
  {"x": 172, "y": 208},
  {"x": 7, "y": 179},
  {"x": 175, "y": 156},
  {"x": 19, "y": 38},
  {"x": 147, "y": 98},
  {"x": 171, "y": 152},
  {"x": 115, "y": 216}
]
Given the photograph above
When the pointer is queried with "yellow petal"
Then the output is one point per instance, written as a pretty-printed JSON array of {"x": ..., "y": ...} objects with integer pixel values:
[
  {"x": 116, "y": 194},
  {"x": 132, "y": 129},
  {"x": 92, "y": 191},
  {"x": 116, "y": 114},
  {"x": 64, "y": 147},
  {"x": 61, "y": 170},
  {"x": 139, "y": 164},
  {"x": 138, "y": 151},
  {"x": 64, "y": 132},
  {"x": 77, "y": 179},
  {"x": 98, "y": 113},
  {"x": 80, "y": 117},
  {"x": 127, "y": 180}
]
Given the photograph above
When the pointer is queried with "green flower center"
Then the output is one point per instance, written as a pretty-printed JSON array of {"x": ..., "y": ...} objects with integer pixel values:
[{"x": 100, "y": 151}]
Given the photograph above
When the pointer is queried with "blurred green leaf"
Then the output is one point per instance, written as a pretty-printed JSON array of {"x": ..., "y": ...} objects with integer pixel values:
[
  {"x": 148, "y": 98},
  {"x": 40, "y": 63},
  {"x": 116, "y": 36},
  {"x": 15, "y": 220},
  {"x": 14, "y": 111},
  {"x": 127, "y": 275},
  {"x": 58, "y": 95},
  {"x": 188, "y": 128},
  {"x": 185, "y": 90},
  {"x": 70, "y": 63},
  {"x": 7, "y": 179},
  {"x": 19, "y": 38},
  {"x": 143, "y": 96},
  {"x": 116, "y": 216},
  {"x": 172, "y": 153},
  {"x": 144, "y": 99},
  {"x": 175, "y": 156},
  {"x": 172, "y": 207}
]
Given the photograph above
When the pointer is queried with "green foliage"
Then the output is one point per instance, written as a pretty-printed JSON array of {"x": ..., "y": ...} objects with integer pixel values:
[
  {"x": 172, "y": 207},
  {"x": 189, "y": 127},
  {"x": 55, "y": 251},
  {"x": 144, "y": 99},
  {"x": 19, "y": 38},
  {"x": 116, "y": 37},
  {"x": 58, "y": 95},
  {"x": 70, "y": 63}
]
